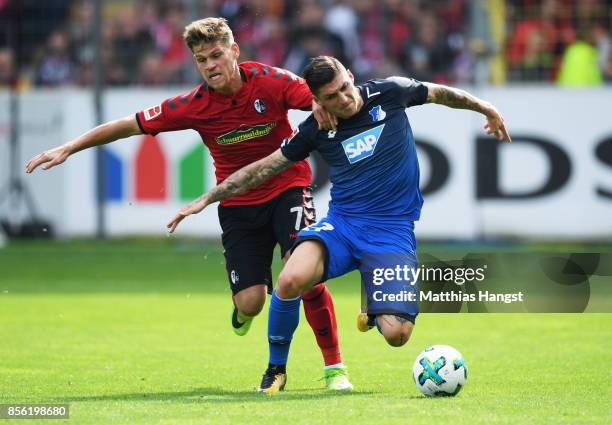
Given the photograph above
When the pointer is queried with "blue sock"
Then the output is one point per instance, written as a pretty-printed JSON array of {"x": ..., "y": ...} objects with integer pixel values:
[
  {"x": 378, "y": 326},
  {"x": 283, "y": 318}
]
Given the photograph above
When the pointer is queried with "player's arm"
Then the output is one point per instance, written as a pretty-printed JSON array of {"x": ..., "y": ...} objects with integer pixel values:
[
  {"x": 239, "y": 182},
  {"x": 460, "y": 99},
  {"x": 100, "y": 135}
]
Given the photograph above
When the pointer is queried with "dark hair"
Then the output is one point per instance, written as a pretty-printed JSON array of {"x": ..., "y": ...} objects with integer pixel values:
[{"x": 320, "y": 71}]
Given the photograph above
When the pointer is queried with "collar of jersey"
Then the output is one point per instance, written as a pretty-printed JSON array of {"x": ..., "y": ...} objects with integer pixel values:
[{"x": 243, "y": 76}]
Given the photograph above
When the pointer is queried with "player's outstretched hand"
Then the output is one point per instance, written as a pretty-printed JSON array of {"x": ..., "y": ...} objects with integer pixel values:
[
  {"x": 495, "y": 126},
  {"x": 49, "y": 158},
  {"x": 192, "y": 208},
  {"x": 326, "y": 120}
]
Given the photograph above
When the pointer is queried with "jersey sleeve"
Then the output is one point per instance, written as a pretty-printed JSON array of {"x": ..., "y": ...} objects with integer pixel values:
[
  {"x": 299, "y": 145},
  {"x": 289, "y": 90},
  {"x": 296, "y": 93},
  {"x": 170, "y": 115},
  {"x": 410, "y": 92}
]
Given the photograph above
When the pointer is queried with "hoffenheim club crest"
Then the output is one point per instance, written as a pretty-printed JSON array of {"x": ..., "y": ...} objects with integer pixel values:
[
  {"x": 377, "y": 113},
  {"x": 259, "y": 106}
]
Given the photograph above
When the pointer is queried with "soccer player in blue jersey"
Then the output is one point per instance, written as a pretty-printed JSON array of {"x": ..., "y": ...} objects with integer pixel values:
[{"x": 375, "y": 200}]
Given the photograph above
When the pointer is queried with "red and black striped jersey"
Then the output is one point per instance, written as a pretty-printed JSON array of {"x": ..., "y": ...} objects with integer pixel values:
[{"x": 241, "y": 128}]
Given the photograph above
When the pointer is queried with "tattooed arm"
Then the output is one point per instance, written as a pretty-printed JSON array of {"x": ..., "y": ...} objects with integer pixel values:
[
  {"x": 239, "y": 182},
  {"x": 248, "y": 177},
  {"x": 413, "y": 93},
  {"x": 460, "y": 99}
]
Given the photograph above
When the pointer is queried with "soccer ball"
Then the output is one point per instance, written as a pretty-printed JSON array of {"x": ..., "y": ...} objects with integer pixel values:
[{"x": 439, "y": 370}]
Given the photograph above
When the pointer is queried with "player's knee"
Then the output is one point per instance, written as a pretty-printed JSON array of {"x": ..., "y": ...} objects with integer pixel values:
[
  {"x": 397, "y": 338},
  {"x": 252, "y": 308},
  {"x": 290, "y": 284},
  {"x": 250, "y": 301},
  {"x": 396, "y": 330}
]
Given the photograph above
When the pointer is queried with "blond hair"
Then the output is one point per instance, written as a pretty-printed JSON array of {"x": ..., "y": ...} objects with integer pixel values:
[{"x": 208, "y": 30}]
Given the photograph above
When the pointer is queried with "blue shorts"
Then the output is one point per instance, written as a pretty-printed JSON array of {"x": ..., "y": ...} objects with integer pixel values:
[{"x": 383, "y": 251}]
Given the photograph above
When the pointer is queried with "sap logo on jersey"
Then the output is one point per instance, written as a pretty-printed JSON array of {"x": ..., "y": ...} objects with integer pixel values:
[{"x": 362, "y": 145}]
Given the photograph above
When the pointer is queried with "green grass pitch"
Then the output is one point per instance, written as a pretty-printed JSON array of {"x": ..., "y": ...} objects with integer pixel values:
[{"x": 138, "y": 333}]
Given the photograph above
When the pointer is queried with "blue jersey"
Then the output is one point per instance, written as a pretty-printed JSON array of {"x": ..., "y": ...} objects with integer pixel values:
[{"x": 374, "y": 168}]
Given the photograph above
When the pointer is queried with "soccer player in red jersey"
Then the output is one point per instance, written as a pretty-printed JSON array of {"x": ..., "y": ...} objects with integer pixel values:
[{"x": 240, "y": 111}]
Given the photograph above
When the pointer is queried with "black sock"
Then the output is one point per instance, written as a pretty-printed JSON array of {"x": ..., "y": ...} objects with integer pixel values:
[{"x": 277, "y": 368}]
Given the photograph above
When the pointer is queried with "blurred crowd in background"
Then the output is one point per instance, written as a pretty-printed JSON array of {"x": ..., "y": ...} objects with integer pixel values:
[{"x": 51, "y": 42}]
